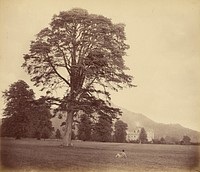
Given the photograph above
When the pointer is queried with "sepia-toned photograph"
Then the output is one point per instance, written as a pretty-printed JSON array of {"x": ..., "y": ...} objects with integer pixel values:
[{"x": 99, "y": 85}]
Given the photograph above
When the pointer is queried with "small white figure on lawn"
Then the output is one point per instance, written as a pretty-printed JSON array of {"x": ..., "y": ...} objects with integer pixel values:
[{"x": 121, "y": 154}]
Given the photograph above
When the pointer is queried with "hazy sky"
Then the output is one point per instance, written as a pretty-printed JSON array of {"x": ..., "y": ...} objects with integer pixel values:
[{"x": 164, "y": 54}]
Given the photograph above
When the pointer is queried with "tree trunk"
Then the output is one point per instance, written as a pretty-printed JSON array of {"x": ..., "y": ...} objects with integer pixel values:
[{"x": 67, "y": 139}]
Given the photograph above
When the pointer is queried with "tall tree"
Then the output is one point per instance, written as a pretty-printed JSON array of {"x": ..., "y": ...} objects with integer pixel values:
[
  {"x": 143, "y": 136},
  {"x": 46, "y": 132},
  {"x": 162, "y": 140},
  {"x": 84, "y": 53},
  {"x": 41, "y": 123},
  {"x": 103, "y": 129},
  {"x": 19, "y": 103},
  {"x": 58, "y": 134},
  {"x": 84, "y": 128},
  {"x": 120, "y": 131}
]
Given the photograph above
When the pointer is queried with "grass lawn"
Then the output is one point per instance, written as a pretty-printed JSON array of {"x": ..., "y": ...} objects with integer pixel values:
[{"x": 34, "y": 155}]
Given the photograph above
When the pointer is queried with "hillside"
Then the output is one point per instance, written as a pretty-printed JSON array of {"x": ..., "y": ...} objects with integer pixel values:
[{"x": 160, "y": 129}]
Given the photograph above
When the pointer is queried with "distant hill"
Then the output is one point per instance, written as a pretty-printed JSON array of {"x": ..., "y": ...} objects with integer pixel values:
[{"x": 160, "y": 130}]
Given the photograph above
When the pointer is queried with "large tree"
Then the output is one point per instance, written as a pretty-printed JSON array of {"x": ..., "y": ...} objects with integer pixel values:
[
  {"x": 84, "y": 53},
  {"x": 19, "y": 100},
  {"x": 120, "y": 131},
  {"x": 41, "y": 119},
  {"x": 58, "y": 134},
  {"x": 143, "y": 136},
  {"x": 103, "y": 129},
  {"x": 84, "y": 128}
]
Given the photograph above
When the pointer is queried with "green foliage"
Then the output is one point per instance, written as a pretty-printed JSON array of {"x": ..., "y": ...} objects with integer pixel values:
[
  {"x": 143, "y": 136},
  {"x": 84, "y": 128},
  {"x": 82, "y": 53},
  {"x": 120, "y": 131},
  {"x": 19, "y": 104}
]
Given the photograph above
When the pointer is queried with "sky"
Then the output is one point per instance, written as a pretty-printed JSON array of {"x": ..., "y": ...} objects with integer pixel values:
[{"x": 164, "y": 54}]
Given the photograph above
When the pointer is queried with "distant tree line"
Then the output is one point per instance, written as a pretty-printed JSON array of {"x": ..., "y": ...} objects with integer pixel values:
[{"x": 186, "y": 140}]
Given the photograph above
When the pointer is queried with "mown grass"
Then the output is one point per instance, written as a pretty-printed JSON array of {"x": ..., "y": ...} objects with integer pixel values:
[{"x": 33, "y": 155}]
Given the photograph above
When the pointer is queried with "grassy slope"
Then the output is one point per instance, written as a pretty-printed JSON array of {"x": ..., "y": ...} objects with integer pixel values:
[{"x": 32, "y": 155}]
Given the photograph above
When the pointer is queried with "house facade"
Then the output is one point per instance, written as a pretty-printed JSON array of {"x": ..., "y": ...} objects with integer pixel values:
[{"x": 134, "y": 135}]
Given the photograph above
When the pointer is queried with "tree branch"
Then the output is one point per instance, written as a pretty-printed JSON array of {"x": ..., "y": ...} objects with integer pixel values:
[
  {"x": 59, "y": 75},
  {"x": 63, "y": 55}
]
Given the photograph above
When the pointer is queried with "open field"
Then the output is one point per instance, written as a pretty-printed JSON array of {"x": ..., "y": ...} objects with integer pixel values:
[{"x": 33, "y": 155}]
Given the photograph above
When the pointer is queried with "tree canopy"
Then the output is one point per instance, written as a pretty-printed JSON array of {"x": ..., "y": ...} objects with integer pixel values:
[
  {"x": 84, "y": 128},
  {"x": 84, "y": 53},
  {"x": 58, "y": 134},
  {"x": 41, "y": 123},
  {"x": 120, "y": 131},
  {"x": 186, "y": 140},
  {"x": 24, "y": 116},
  {"x": 143, "y": 136},
  {"x": 19, "y": 102},
  {"x": 103, "y": 129}
]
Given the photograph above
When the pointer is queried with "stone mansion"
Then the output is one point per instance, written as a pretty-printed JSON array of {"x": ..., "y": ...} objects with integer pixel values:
[{"x": 134, "y": 135}]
